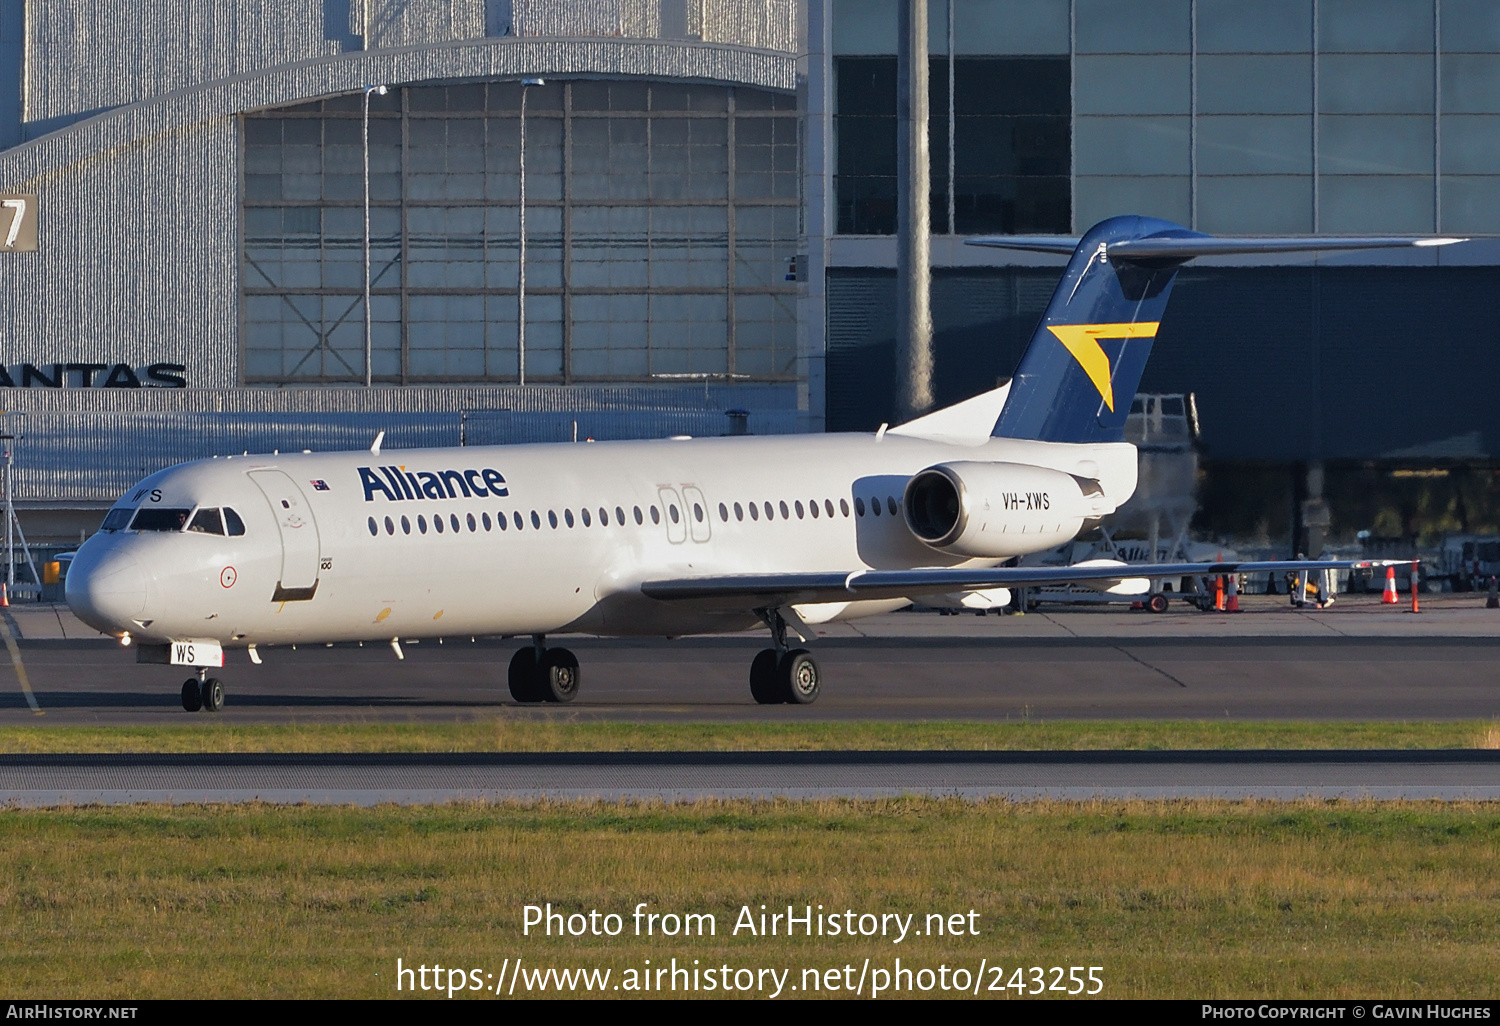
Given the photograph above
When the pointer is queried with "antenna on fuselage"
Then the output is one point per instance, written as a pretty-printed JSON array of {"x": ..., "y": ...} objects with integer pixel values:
[{"x": 375, "y": 445}]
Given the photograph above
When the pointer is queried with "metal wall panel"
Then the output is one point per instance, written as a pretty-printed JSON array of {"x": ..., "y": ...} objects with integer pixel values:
[
  {"x": 463, "y": 59},
  {"x": 770, "y": 24},
  {"x": 92, "y": 458},
  {"x": 406, "y": 398},
  {"x": 631, "y": 18},
  {"x": 135, "y": 262},
  {"x": 86, "y": 56},
  {"x": 77, "y": 449},
  {"x": 395, "y": 23}
]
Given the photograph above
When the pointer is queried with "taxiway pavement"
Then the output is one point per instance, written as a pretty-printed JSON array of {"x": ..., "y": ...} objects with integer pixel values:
[
  {"x": 32, "y": 781},
  {"x": 1355, "y": 660}
]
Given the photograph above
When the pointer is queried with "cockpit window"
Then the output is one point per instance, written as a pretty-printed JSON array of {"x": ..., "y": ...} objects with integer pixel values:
[
  {"x": 158, "y": 519},
  {"x": 116, "y": 519},
  {"x": 233, "y": 522},
  {"x": 207, "y": 521}
]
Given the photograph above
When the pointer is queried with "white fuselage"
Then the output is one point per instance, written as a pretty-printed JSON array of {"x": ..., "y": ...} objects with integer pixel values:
[{"x": 325, "y": 555}]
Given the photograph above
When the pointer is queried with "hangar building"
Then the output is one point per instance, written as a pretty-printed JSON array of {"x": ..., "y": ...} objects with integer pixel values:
[{"x": 709, "y": 218}]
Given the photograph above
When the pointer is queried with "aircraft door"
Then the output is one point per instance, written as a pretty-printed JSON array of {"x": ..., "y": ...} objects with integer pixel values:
[
  {"x": 695, "y": 511},
  {"x": 300, "y": 549},
  {"x": 671, "y": 510}
]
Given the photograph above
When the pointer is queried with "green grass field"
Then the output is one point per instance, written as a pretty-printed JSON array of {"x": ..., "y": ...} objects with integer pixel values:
[
  {"x": 1187, "y": 899},
  {"x": 1178, "y": 899},
  {"x": 527, "y": 733}
]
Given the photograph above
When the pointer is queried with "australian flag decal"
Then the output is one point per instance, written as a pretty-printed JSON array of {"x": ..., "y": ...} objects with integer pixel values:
[{"x": 320, "y": 486}]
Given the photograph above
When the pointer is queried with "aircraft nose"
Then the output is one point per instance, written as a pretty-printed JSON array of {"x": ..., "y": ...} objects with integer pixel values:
[{"x": 109, "y": 594}]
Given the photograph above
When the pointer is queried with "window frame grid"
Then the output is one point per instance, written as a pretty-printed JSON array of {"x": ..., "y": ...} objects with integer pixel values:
[{"x": 730, "y": 113}]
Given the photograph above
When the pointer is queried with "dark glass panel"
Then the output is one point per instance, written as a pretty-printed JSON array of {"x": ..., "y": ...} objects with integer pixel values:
[{"x": 1011, "y": 85}]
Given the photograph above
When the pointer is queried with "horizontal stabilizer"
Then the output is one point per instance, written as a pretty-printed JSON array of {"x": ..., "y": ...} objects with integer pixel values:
[
  {"x": 1168, "y": 248},
  {"x": 1062, "y": 244},
  {"x": 1189, "y": 245},
  {"x": 750, "y": 591}
]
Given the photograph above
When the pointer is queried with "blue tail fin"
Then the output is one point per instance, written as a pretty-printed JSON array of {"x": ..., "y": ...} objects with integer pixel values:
[{"x": 1079, "y": 375}]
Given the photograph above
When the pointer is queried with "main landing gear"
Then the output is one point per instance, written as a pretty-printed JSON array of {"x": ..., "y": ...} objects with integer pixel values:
[
  {"x": 203, "y": 692},
  {"x": 782, "y": 676},
  {"x": 542, "y": 674}
]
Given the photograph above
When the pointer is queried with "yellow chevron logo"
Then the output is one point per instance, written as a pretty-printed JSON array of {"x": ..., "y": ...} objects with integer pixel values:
[{"x": 1082, "y": 340}]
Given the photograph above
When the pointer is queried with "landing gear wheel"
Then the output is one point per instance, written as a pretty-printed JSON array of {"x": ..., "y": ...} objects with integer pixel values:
[
  {"x": 765, "y": 685},
  {"x": 1157, "y": 603},
  {"x": 558, "y": 679},
  {"x": 523, "y": 676},
  {"x": 192, "y": 700},
  {"x": 799, "y": 677},
  {"x": 211, "y": 694}
]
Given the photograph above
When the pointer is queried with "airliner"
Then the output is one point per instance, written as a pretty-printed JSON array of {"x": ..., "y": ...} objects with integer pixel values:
[{"x": 668, "y": 537}]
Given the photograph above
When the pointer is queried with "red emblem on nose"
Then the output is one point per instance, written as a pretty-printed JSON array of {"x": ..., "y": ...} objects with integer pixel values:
[{"x": 227, "y": 577}]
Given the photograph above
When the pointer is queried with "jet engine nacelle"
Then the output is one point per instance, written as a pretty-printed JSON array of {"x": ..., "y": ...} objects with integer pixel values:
[{"x": 1000, "y": 509}]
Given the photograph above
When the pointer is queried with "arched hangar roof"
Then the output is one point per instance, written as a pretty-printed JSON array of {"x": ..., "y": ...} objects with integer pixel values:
[{"x": 490, "y": 58}]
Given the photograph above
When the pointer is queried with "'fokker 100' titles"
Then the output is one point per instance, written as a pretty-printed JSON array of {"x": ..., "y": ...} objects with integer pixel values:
[{"x": 398, "y": 483}]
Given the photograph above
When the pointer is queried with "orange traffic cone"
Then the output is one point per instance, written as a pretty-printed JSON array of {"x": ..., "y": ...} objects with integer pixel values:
[
  {"x": 4, "y": 596},
  {"x": 1390, "y": 598},
  {"x": 1232, "y": 602}
]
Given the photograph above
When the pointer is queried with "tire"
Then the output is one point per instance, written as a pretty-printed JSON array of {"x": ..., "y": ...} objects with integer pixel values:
[
  {"x": 765, "y": 685},
  {"x": 558, "y": 679},
  {"x": 799, "y": 677},
  {"x": 1157, "y": 603},
  {"x": 192, "y": 699},
  {"x": 211, "y": 694},
  {"x": 522, "y": 676}
]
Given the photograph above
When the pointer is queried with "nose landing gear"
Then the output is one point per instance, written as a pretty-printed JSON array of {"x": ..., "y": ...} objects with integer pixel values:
[
  {"x": 203, "y": 692},
  {"x": 541, "y": 674}
]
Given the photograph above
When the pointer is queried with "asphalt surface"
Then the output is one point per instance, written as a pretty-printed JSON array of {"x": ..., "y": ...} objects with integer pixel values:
[
  {"x": 1018, "y": 776},
  {"x": 1358, "y": 660}
]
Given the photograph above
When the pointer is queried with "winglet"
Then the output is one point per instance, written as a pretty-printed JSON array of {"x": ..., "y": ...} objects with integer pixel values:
[{"x": 375, "y": 445}]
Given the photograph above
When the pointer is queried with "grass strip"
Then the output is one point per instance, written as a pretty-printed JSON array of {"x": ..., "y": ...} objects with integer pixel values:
[
  {"x": 528, "y": 733},
  {"x": 1174, "y": 899}
]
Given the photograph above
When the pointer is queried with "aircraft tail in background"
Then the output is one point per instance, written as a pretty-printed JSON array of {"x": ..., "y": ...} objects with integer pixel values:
[{"x": 1080, "y": 373}]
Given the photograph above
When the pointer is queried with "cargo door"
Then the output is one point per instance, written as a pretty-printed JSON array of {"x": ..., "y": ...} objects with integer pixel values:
[{"x": 300, "y": 548}]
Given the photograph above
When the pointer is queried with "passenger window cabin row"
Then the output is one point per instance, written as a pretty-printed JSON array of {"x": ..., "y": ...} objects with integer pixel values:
[
  {"x": 811, "y": 509},
  {"x": 517, "y": 521}
]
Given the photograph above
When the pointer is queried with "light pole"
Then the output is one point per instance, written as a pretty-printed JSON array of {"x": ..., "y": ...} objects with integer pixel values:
[
  {"x": 526, "y": 83},
  {"x": 365, "y": 135}
]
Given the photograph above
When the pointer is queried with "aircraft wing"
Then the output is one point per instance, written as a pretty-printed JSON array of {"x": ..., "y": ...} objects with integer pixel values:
[{"x": 758, "y": 590}]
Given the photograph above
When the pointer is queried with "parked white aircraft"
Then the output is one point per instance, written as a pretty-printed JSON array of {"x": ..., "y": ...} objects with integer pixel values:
[{"x": 665, "y": 537}]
